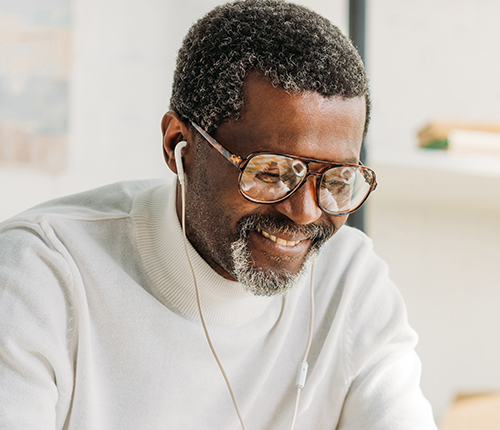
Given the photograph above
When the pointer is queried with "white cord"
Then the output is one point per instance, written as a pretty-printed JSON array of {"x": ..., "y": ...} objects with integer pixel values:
[
  {"x": 205, "y": 329},
  {"x": 303, "y": 366},
  {"x": 301, "y": 376}
]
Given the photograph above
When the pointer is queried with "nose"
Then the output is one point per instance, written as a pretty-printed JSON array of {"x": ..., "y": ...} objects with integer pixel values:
[{"x": 302, "y": 207}]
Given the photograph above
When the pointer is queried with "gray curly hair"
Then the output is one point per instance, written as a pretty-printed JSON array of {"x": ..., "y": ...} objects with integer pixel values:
[{"x": 294, "y": 47}]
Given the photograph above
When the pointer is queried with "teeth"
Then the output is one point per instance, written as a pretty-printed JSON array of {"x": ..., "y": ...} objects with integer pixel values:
[
  {"x": 278, "y": 240},
  {"x": 282, "y": 242}
]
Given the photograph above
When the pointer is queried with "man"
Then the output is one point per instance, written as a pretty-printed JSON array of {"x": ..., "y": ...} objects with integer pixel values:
[{"x": 100, "y": 323}]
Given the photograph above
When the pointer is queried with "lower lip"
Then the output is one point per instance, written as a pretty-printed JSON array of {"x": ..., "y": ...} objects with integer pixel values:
[{"x": 257, "y": 242}]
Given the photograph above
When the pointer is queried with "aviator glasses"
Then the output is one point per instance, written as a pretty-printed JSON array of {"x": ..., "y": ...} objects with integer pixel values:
[{"x": 269, "y": 178}]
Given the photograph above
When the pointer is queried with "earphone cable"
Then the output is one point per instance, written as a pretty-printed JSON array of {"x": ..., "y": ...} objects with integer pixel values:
[
  {"x": 205, "y": 328},
  {"x": 303, "y": 365}
]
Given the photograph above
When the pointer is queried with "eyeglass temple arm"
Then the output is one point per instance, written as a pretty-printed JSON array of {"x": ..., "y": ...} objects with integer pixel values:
[{"x": 234, "y": 159}]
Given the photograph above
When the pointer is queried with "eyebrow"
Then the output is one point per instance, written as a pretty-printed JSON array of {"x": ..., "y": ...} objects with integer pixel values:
[
  {"x": 353, "y": 160},
  {"x": 237, "y": 160}
]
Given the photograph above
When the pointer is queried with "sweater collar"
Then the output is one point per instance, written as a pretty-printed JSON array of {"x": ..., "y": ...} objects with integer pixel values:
[{"x": 160, "y": 241}]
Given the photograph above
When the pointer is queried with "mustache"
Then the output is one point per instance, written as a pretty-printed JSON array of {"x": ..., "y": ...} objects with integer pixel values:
[{"x": 318, "y": 233}]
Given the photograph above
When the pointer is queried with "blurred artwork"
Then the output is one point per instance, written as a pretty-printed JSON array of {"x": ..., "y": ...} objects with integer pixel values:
[{"x": 35, "y": 48}]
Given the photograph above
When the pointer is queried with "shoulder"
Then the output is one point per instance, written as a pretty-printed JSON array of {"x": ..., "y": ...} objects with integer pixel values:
[
  {"x": 356, "y": 280},
  {"x": 107, "y": 201},
  {"x": 40, "y": 245},
  {"x": 35, "y": 282},
  {"x": 349, "y": 262}
]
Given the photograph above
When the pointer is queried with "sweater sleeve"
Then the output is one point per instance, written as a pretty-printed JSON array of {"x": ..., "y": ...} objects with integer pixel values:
[
  {"x": 384, "y": 393},
  {"x": 35, "y": 331}
]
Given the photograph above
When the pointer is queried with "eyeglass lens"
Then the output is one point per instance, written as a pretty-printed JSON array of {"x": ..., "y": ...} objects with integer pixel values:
[{"x": 271, "y": 177}]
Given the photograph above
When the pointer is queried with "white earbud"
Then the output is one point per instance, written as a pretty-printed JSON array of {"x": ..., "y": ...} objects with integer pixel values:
[{"x": 178, "y": 161}]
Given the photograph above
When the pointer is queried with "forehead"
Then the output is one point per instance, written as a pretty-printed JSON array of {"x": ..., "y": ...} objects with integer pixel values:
[{"x": 304, "y": 124}]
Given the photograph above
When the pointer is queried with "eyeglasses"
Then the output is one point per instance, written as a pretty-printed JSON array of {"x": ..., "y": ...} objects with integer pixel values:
[{"x": 269, "y": 178}]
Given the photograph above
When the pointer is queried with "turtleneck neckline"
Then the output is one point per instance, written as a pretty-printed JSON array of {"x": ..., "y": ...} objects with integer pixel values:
[{"x": 160, "y": 242}]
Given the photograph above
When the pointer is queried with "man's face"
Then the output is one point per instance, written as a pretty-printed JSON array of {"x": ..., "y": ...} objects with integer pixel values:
[{"x": 265, "y": 246}]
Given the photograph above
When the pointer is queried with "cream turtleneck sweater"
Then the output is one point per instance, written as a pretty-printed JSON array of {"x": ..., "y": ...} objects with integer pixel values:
[
  {"x": 99, "y": 329},
  {"x": 224, "y": 302}
]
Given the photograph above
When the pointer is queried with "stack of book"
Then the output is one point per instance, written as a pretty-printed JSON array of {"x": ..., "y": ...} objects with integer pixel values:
[{"x": 479, "y": 138}]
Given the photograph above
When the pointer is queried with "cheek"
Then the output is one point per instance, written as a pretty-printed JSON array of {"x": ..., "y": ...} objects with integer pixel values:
[
  {"x": 225, "y": 194},
  {"x": 214, "y": 187},
  {"x": 224, "y": 184},
  {"x": 221, "y": 174}
]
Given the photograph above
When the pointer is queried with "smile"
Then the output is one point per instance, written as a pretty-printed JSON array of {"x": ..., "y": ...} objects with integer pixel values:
[{"x": 278, "y": 240}]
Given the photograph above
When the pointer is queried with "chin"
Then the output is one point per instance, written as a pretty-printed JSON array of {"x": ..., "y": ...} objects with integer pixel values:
[{"x": 270, "y": 280}]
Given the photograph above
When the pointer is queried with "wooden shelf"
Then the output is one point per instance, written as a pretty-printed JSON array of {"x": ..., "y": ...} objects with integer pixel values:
[{"x": 439, "y": 178}]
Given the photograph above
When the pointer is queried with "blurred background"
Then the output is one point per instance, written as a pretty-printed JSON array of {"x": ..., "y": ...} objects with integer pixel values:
[{"x": 84, "y": 85}]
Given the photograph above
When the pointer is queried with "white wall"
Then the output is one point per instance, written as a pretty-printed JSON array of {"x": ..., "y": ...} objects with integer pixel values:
[
  {"x": 119, "y": 89},
  {"x": 427, "y": 58},
  {"x": 439, "y": 231},
  {"x": 123, "y": 61},
  {"x": 436, "y": 219}
]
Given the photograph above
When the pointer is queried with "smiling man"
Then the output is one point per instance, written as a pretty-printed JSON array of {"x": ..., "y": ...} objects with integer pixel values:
[
  {"x": 243, "y": 236},
  {"x": 108, "y": 298}
]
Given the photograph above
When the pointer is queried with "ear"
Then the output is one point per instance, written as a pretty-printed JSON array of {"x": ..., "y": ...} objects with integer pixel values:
[{"x": 174, "y": 131}]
